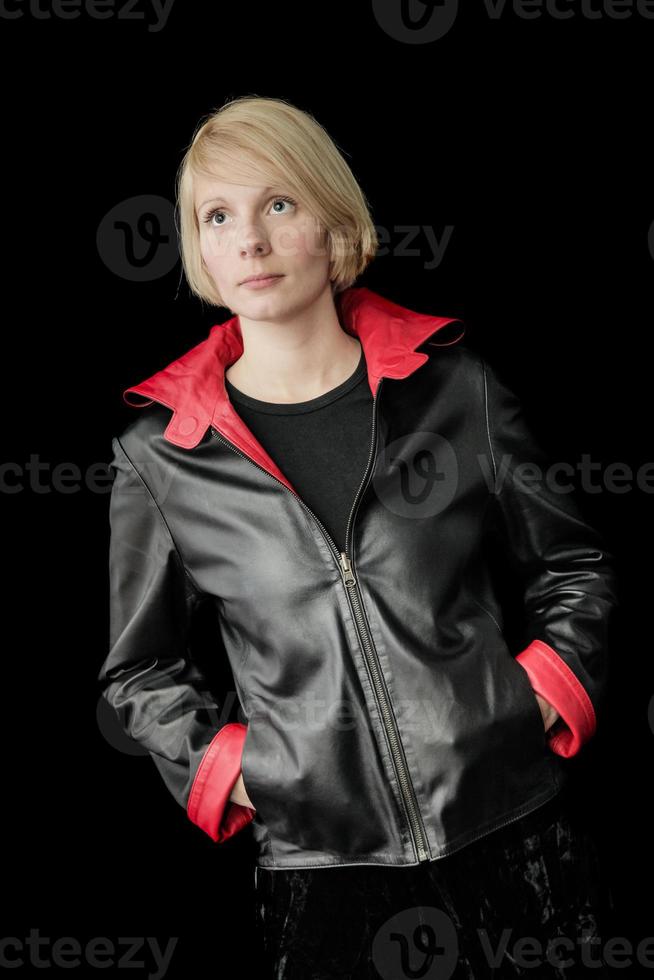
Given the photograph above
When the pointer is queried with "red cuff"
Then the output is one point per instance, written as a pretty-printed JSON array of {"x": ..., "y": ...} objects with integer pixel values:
[
  {"x": 551, "y": 677},
  {"x": 209, "y": 805}
]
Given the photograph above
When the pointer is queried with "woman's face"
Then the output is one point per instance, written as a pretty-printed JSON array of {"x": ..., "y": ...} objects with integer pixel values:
[{"x": 248, "y": 229}]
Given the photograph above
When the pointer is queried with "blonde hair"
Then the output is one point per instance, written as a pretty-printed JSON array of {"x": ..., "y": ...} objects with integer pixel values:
[{"x": 256, "y": 138}]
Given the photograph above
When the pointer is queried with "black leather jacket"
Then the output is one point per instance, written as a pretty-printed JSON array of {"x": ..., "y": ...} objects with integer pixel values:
[{"x": 386, "y": 720}]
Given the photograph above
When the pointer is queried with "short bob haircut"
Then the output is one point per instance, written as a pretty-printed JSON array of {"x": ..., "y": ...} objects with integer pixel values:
[{"x": 252, "y": 140}]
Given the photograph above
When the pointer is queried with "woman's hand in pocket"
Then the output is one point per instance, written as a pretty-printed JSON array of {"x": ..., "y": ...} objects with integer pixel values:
[
  {"x": 239, "y": 794},
  {"x": 549, "y": 713}
]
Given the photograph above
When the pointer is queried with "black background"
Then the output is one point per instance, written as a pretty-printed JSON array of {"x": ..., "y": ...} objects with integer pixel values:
[{"x": 527, "y": 138}]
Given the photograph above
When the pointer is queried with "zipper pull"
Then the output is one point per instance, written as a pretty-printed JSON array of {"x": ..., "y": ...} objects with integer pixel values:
[{"x": 348, "y": 575}]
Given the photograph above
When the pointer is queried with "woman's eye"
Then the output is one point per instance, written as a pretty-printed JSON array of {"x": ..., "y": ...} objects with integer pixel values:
[
  {"x": 283, "y": 200},
  {"x": 211, "y": 215},
  {"x": 216, "y": 211}
]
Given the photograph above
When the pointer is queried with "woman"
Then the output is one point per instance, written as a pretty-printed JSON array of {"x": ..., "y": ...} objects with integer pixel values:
[{"x": 337, "y": 496}]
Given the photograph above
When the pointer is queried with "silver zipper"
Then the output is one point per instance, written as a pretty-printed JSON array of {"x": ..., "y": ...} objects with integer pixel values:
[{"x": 346, "y": 568}]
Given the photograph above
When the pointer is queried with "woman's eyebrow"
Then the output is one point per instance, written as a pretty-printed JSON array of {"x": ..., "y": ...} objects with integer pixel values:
[{"x": 225, "y": 201}]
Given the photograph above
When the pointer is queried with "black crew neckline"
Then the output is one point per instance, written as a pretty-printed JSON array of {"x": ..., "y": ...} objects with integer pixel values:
[{"x": 295, "y": 408}]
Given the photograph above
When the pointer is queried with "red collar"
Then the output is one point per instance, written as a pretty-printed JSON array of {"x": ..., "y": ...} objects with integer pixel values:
[{"x": 193, "y": 386}]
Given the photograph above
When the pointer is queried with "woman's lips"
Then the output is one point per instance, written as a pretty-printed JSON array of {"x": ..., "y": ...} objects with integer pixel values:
[{"x": 261, "y": 283}]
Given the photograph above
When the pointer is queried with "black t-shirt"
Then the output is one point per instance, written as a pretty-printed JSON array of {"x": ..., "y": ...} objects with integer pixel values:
[{"x": 321, "y": 445}]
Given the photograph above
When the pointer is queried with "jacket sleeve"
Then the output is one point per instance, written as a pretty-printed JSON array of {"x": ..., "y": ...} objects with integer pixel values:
[
  {"x": 160, "y": 696},
  {"x": 568, "y": 576}
]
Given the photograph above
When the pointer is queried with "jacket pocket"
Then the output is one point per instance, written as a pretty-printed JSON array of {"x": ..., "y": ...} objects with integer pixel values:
[
  {"x": 262, "y": 774},
  {"x": 247, "y": 782},
  {"x": 527, "y": 697},
  {"x": 317, "y": 787}
]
